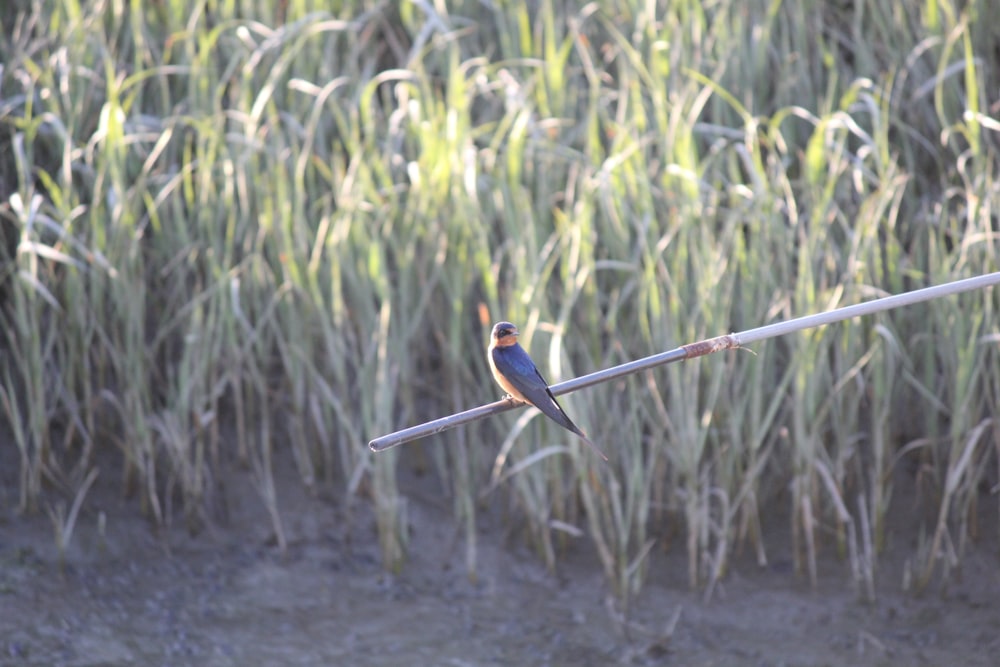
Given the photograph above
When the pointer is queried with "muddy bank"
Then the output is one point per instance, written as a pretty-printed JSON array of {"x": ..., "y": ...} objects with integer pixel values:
[{"x": 144, "y": 596}]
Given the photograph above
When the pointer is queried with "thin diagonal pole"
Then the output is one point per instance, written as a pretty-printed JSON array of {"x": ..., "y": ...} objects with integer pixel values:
[{"x": 692, "y": 350}]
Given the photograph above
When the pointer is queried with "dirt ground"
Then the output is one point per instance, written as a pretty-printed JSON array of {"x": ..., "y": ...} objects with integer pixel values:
[{"x": 139, "y": 595}]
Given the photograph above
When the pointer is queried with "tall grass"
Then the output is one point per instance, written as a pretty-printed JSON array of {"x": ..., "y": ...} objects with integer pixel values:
[{"x": 241, "y": 232}]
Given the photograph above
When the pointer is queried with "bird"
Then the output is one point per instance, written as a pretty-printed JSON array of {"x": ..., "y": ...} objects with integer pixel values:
[{"x": 517, "y": 374}]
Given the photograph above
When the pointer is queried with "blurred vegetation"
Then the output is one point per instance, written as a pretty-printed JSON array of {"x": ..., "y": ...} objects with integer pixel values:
[{"x": 237, "y": 231}]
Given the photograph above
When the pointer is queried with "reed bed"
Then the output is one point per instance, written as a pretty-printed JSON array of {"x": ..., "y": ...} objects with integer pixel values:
[{"x": 243, "y": 231}]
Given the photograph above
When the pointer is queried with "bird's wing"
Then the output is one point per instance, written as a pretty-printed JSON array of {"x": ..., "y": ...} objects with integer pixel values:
[
  {"x": 520, "y": 371},
  {"x": 522, "y": 374},
  {"x": 515, "y": 365}
]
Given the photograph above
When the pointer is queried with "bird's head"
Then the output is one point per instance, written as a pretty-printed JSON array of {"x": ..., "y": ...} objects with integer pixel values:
[{"x": 504, "y": 334}]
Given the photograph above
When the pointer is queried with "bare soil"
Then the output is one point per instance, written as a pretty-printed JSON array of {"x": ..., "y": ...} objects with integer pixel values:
[{"x": 142, "y": 595}]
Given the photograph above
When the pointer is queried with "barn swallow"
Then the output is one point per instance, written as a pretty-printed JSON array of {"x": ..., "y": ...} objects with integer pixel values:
[{"x": 517, "y": 374}]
